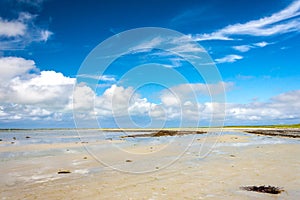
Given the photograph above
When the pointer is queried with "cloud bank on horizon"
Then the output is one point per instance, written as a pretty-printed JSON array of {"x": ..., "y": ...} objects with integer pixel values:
[{"x": 259, "y": 91}]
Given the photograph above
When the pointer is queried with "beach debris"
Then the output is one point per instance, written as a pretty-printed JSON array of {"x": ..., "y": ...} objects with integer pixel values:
[
  {"x": 62, "y": 171},
  {"x": 128, "y": 161},
  {"x": 85, "y": 157},
  {"x": 263, "y": 189},
  {"x": 164, "y": 133}
]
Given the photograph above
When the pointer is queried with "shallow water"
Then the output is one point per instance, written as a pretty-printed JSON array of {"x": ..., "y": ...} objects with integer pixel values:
[{"x": 207, "y": 166}]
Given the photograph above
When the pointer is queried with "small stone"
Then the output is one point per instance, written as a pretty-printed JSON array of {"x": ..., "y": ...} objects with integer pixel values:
[
  {"x": 128, "y": 161},
  {"x": 84, "y": 157},
  {"x": 64, "y": 172},
  {"x": 14, "y": 138},
  {"x": 27, "y": 137}
]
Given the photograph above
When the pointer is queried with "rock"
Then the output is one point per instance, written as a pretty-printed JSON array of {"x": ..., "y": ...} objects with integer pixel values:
[
  {"x": 128, "y": 161},
  {"x": 64, "y": 172},
  {"x": 14, "y": 138},
  {"x": 27, "y": 137},
  {"x": 84, "y": 157}
]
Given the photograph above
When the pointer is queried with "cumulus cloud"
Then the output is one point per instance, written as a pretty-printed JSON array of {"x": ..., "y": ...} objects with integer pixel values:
[
  {"x": 10, "y": 67},
  {"x": 281, "y": 108},
  {"x": 20, "y": 86},
  {"x": 229, "y": 59},
  {"x": 30, "y": 94},
  {"x": 27, "y": 93}
]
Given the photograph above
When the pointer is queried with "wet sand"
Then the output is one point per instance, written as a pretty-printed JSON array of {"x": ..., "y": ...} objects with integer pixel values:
[{"x": 213, "y": 167}]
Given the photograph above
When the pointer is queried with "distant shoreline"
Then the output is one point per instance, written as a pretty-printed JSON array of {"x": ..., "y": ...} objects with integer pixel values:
[
  {"x": 279, "y": 126},
  {"x": 291, "y": 131}
]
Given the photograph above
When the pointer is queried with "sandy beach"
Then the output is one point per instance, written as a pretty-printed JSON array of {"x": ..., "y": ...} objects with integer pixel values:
[{"x": 107, "y": 166}]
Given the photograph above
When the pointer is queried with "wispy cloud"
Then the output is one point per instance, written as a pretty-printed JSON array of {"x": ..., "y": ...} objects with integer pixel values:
[
  {"x": 261, "y": 44},
  {"x": 105, "y": 78},
  {"x": 229, "y": 59},
  {"x": 18, "y": 33},
  {"x": 12, "y": 28},
  {"x": 284, "y": 21},
  {"x": 245, "y": 48},
  {"x": 242, "y": 48}
]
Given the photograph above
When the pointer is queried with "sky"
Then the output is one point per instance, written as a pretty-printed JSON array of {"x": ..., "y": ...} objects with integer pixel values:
[{"x": 174, "y": 63}]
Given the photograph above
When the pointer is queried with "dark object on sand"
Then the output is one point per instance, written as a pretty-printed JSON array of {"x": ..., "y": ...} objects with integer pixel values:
[
  {"x": 27, "y": 137},
  {"x": 165, "y": 133},
  {"x": 14, "y": 138},
  {"x": 128, "y": 161},
  {"x": 64, "y": 172},
  {"x": 263, "y": 189},
  {"x": 292, "y": 133}
]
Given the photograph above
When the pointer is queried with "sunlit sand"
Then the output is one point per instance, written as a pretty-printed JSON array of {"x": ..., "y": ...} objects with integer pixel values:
[{"x": 149, "y": 168}]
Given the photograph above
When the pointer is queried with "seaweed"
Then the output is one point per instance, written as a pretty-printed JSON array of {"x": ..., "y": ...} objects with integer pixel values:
[
  {"x": 164, "y": 133},
  {"x": 263, "y": 189}
]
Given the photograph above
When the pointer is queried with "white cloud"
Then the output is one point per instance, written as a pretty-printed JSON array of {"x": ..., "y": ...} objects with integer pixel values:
[
  {"x": 242, "y": 48},
  {"x": 22, "y": 84},
  {"x": 245, "y": 48},
  {"x": 281, "y": 108},
  {"x": 19, "y": 33},
  {"x": 212, "y": 36},
  {"x": 261, "y": 44},
  {"x": 148, "y": 44},
  {"x": 187, "y": 94},
  {"x": 10, "y": 67},
  {"x": 284, "y": 21},
  {"x": 48, "y": 96},
  {"x": 48, "y": 89},
  {"x": 229, "y": 59},
  {"x": 45, "y": 35},
  {"x": 11, "y": 28},
  {"x": 105, "y": 78},
  {"x": 83, "y": 98}
]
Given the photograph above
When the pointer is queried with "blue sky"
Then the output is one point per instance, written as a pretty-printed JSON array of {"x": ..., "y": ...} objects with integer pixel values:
[{"x": 254, "y": 45}]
